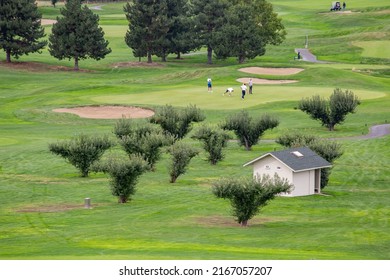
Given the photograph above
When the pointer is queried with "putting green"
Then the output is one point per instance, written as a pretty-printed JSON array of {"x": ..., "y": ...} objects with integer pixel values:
[{"x": 200, "y": 97}]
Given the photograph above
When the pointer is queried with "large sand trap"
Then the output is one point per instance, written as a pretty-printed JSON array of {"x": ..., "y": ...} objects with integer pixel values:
[
  {"x": 265, "y": 81},
  {"x": 108, "y": 112},
  {"x": 271, "y": 71}
]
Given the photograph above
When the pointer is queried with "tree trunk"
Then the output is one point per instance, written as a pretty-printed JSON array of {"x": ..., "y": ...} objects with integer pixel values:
[
  {"x": 247, "y": 147},
  {"x": 244, "y": 223},
  {"x": 178, "y": 55},
  {"x": 173, "y": 179},
  {"x": 209, "y": 55},
  {"x": 122, "y": 199},
  {"x": 149, "y": 57},
  {"x": 8, "y": 56},
  {"x": 76, "y": 64},
  {"x": 241, "y": 59},
  {"x": 331, "y": 127}
]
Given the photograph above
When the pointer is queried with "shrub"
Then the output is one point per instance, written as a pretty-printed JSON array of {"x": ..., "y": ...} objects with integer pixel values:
[
  {"x": 333, "y": 111},
  {"x": 142, "y": 139},
  {"x": 214, "y": 140},
  {"x": 82, "y": 151},
  {"x": 181, "y": 156},
  {"x": 247, "y": 129},
  {"x": 177, "y": 122},
  {"x": 248, "y": 196},
  {"x": 124, "y": 175}
]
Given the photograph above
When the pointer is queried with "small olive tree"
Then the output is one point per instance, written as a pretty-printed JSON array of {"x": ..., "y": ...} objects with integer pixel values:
[
  {"x": 329, "y": 150},
  {"x": 177, "y": 122},
  {"x": 182, "y": 154},
  {"x": 247, "y": 129},
  {"x": 82, "y": 150},
  {"x": 124, "y": 173},
  {"x": 214, "y": 140},
  {"x": 333, "y": 111},
  {"x": 249, "y": 196},
  {"x": 142, "y": 139}
]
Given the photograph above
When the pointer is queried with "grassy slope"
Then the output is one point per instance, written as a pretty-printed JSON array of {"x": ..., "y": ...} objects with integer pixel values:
[{"x": 41, "y": 196}]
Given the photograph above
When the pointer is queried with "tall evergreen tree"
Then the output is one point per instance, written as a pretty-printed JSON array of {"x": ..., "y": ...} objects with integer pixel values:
[
  {"x": 148, "y": 26},
  {"x": 20, "y": 28},
  {"x": 181, "y": 36},
  {"x": 250, "y": 26},
  {"x": 209, "y": 17},
  {"x": 77, "y": 34}
]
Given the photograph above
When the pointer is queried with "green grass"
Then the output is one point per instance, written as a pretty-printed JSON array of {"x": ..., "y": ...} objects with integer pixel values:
[{"x": 41, "y": 196}]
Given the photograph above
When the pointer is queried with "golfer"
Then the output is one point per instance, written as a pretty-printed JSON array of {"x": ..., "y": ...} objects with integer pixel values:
[
  {"x": 209, "y": 85},
  {"x": 229, "y": 91},
  {"x": 243, "y": 90},
  {"x": 250, "y": 86}
]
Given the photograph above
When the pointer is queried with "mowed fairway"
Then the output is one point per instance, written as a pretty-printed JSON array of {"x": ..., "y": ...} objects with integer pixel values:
[{"x": 41, "y": 195}]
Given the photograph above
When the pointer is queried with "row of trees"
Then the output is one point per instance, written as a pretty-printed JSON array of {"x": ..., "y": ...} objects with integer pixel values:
[
  {"x": 143, "y": 143},
  {"x": 230, "y": 28},
  {"x": 76, "y": 35}
]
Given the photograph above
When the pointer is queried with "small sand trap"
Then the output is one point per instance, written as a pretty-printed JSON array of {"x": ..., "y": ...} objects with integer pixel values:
[
  {"x": 271, "y": 71},
  {"x": 265, "y": 81},
  {"x": 48, "y": 21},
  {"x": 108, "y": 112}
]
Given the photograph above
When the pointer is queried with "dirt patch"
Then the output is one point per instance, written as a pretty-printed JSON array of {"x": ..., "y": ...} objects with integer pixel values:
[
  {"x": 218, "y": 221},
  {"x": 37, "y": 67},
  {"x": 136, "y": 64},
  {"x": 265, "y": 81},
  {"x": 271, "y": 71},
  {"x": 48, "y": 21},
  {"x": 50, "y": 208},
  {"x": 108, "y": 112}
]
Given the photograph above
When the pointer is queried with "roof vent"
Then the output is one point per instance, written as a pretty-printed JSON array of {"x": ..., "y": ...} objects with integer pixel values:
[{"x": 297, "y": 154}]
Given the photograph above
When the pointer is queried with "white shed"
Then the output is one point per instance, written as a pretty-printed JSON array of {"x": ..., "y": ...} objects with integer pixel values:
[{"x": 300, "y": 166}]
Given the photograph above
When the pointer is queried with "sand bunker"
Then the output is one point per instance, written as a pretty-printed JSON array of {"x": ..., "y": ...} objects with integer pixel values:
[
  {"x": 265, "y": 81},
  {"x": 271, "y": 71},
  {"x": 108, "y": 112},
  {"x": 48, "y": 21}
]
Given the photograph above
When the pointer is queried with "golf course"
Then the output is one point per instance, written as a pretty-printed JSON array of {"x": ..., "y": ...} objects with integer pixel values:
[{"x": 42, "y": 196}]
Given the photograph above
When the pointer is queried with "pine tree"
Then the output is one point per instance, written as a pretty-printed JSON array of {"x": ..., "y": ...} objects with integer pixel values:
[
  {"x": 180, "y": 37},
  {"x": 20, "y": 28},
  {"x": 148, "y": 26},
  {"x": 77, "y": 35},
  {"x": 209, "y": 17},
  {"x": 246, "y": 37}
]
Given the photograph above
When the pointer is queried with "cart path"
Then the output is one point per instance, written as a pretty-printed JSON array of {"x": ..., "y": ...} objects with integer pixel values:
[
  {"x": 376, "y": 131},
  {"x": 308, "y": 56}
]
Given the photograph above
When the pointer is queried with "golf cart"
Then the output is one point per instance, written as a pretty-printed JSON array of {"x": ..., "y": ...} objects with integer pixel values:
[{"x": 336, "y": 6}]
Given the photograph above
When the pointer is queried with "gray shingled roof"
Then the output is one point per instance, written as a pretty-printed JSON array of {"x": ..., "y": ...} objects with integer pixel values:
[{"x": 308, "y": 160}]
